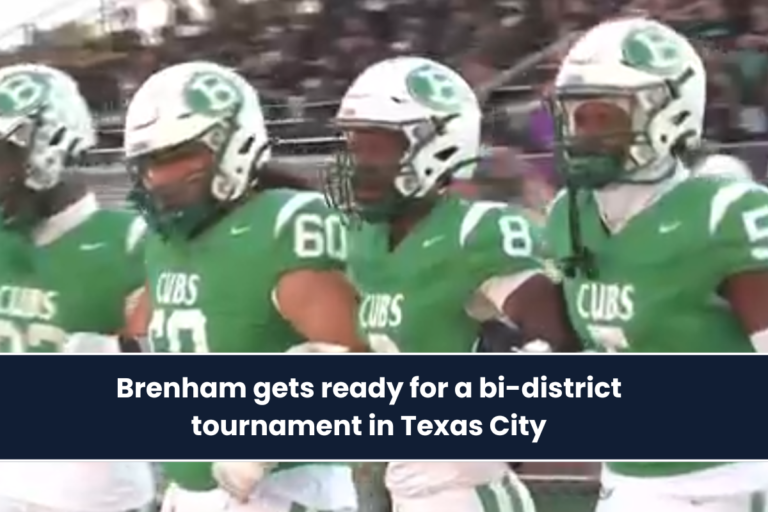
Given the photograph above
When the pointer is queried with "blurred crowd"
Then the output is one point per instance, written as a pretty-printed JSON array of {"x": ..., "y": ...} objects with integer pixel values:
[{"x": 301, "y": 54}]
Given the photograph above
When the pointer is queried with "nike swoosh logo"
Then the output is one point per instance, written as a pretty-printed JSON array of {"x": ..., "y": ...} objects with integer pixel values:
[
  {"x": 239, "y": 230},
  {"x": 91, "y": 247},
  {"x": 432, "y": 241},
  {"x": 666, "y": 228}
]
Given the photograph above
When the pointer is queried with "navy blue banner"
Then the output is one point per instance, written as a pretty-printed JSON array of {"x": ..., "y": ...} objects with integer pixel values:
[{"x": 336, "y": 407}]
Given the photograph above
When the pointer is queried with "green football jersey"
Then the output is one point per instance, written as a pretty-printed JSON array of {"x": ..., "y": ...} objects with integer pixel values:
[
  {"x": 423, "y": 295},
  {"x": 214, "y": 293},
  {"x": 656, "y": 288},
  {"x": 75, "y": 277}
]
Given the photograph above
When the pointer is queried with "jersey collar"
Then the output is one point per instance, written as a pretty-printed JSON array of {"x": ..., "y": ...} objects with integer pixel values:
[{"x": 619, "y": 205}]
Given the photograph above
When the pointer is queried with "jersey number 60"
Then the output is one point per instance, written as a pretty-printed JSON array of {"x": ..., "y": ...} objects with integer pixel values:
[{"x": 316, "y": 236}]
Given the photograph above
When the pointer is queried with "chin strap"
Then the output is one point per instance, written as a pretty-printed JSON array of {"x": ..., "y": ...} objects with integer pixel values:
[{"x": 581, "y": 260}]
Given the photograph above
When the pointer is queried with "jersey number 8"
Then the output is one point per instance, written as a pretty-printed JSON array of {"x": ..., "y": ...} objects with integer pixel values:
[
  {"x": 517, "y": 241},
  {"x": 316, "y": 236}
]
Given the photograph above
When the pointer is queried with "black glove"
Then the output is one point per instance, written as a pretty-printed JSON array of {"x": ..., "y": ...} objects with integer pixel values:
[
  {"x": 128, "y": 344},
  {"x": 499, "y": 336}
]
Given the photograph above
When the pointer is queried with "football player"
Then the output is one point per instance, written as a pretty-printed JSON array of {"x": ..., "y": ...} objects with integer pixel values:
[
  {"x": 234, "y": 266},
  {"x": 430, "y": 267},
  {"x": 52, "y": 235},
  {"x": 655, "y": 258}
]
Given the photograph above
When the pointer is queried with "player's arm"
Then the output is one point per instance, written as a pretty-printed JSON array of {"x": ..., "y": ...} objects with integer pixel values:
[
  {"x": 321, "y": 305},
  {"x": 519, "y": 287},
  {"x": 537, "y": 305},
  {"x": 313, "y": 294},
  {"x": 137, "y": 314},
  {"x": 738, "y": 222}
]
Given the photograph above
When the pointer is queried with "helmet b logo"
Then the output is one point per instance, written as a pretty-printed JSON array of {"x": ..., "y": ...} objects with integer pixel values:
[
  {"x": 212, "y": 94},
  {"x": 436, "y": 88},
  {"x": 651, "y": 50},
  {"x": 22, "y": 93}
]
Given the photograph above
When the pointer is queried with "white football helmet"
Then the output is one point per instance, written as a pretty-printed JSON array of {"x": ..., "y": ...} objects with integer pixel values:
[
  {"x": 436, "y": 113},
  {"x": 43, "y": 112},
  {"x": 202, "y": 103},
  {"x": 655, "y": 76}
]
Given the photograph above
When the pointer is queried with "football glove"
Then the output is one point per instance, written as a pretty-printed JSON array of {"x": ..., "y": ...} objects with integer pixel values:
[
  {"x": 239, "y": 478},
  {"x": 535, "y": 347},
  {"x": 131, "y": 344},
  {"x": 317, "y": 347},
  {"x": 502, "y": 335}
]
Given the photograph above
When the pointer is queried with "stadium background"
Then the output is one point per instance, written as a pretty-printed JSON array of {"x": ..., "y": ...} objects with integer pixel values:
[{"x": 302, "y": 53}]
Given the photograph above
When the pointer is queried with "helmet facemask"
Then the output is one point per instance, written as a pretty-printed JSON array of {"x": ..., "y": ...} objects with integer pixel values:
[
  {"x": 375, "y": 177},
  {"x": 17, "y": 205},
  {"x": 605, "y": 135},
  {"x": 174, "y": 187},
  {"x": 23, "y": 180}
]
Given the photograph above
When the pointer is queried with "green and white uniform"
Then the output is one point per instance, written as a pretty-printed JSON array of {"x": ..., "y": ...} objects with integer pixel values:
[
  {"x": 656, "y": 290},
  {"x": 73, "y": 275},
  {"x": 429, "y": 294},
  {"x": 452, "y": 271},
  {"x": 658, "y": 277},
  {"x": 214, "y": 293}
]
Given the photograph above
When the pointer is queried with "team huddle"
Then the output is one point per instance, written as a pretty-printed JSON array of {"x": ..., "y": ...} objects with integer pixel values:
[{"x": 652, "y": 246}]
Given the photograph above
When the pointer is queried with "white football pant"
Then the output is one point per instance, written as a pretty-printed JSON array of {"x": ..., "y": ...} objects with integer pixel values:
[
  {"x": 181, "y": 500},
  {"x": 75, "y": 486},
  {"x": 12, "y": 505},
  {"x": 738, "y": 487},
  {"x": 507, "y": 494},
  {"x": 329, "y": 488}
]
